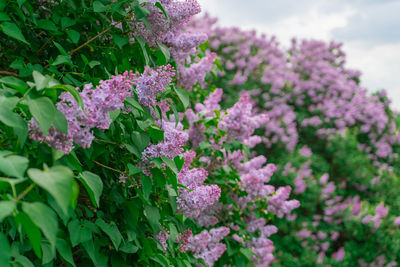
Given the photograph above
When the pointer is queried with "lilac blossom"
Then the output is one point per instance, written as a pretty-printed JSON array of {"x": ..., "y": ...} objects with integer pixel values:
[
  {"x": 207, "y": 246},
  {"x": 98, "y": 102}
]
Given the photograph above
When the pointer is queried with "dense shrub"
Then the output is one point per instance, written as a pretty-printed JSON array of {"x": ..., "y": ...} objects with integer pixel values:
[
  {"x": 114, "y": 149},
  {"x": 337, "y": 146},
  {"x": 133, "y": 134}
]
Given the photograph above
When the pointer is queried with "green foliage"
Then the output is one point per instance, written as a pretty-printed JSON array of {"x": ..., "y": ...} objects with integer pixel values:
[{"x": 70, "y": 209}]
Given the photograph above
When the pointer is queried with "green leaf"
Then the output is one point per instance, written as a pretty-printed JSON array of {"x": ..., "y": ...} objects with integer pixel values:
[
  {"x": 99, "y": 7},
  {"x": 113, "y": 114},
  {"x": 48, "y": 252},
  {"x": 133, "y": 169},
  {"x": 133, "y": 150},
  {"x": 146, "y": 185},
  {"x": 142, "y": 44},
  {"x": 67, "y": 22},
  {"x": 61, "y": 59},
  {"x": 183, "y": 96},
  {"x": 163, "y": 55},
  {"x": 4, "y": 17},
  {"x": 61, "y": 122},
  {"x": 132, "y": 102},
  {"x": 23, "y": 261},
  {"x": 13, "y": 165},
  {"x": 44, "y": 218},
  {"x": 75, "y": 194},
  {"x": 15, "y": 83},
  {"x": 13, "y": 31},
  {"x": 21, "y": 2},
  {"x": 61, "y": 49},
  {"x": 11, "y": 119},
  {"x": 44, "y": 112},
  {"x": 46, "y": 25},
  {"x": 120, "y": 41},
  {"x": 246, "y": 252},
  {"x": 140, "y": 12},
  {"x": 7, "y": 105},
  {"x": 65, "y": 251},
  {"x": 70, "y": 89},
  {"x": 57, "y": 181},
  {"x": 5, "y": 250},
  {"x": 128, "y": 248},
  {"x": 176, "y": 114},
  {"x": 93, "y": 63},
  {"x": 92, "y": 250},
  {"x": 6, "y": 208},
  {"x": 153, "y": 215},
  {"x": 78, "y": 233},
  {"x": 141, "y": 140},
  {"x": 93, "y": 185},
  {"x": 179, "y": 161},
  {"x": 32, "y": 231},
  {"x": 159, "y": 5},
  {"x": 112, "y": 231},
  {"x": 41, "y": 81},
  {"x": 74, "y": 36},
  {"x": 156, "y": 134},
  {"x": 170, "y": 163}
]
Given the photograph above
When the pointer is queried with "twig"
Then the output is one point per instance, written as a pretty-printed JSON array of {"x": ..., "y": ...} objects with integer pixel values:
[
  {"x": 26, "y": 191},
  {"x": 4, "y": 72},
  {"x": 107, "y": 167},
  {"x": 89, "y": 41},
  {"x": 105, "y": 141},
  {"x": 45, "y": 44}
]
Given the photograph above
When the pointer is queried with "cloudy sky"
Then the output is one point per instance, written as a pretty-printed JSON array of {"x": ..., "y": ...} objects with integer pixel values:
[{"x": 369, "y": 29}]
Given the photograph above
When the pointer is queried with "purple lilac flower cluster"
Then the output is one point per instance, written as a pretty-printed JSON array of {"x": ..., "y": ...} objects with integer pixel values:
[
  {"x": 207, "y": 246},
  {"x": 152, "y": 82},
  {"x": 171, "y": 33},
  {"x": 196, "y": 72},
  {"x": 310, "y": 77},
  {"x": 239, "y": 123},
  {"x": 174, "y": 139},
  {"x": 194, "y": 200},
  {"x": 98, "y": 102}
]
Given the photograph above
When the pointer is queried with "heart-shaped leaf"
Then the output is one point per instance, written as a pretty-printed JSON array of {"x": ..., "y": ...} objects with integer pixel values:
[
  {"x": 93, "y": 185},
  {"x": 6, "y": 208},
  {"x": 44, "y": 218},
  {"x": 44, "y": 112},
  {"x": 57, "y": 181},
  {"x": 13, "y": 165}
]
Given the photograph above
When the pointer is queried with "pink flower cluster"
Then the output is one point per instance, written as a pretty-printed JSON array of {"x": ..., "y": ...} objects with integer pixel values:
[
  {"x": 174, "y": 139},
  {"x": 380, "y": 212},
  {"x": 210, "y": 105},
  {"x": 240, "y": 122},
  {"x": 194, "y": 200},
  {"x": 162, "y": 237},
  {"x": 179, "y": 13},
  {"x": 196, "y": 73},
  {"x": 98, "y": 102},
  {"x": 183, "y": 239},
  {"x": 306, "y": 86},
  {"x": 152, "y": 82},
  {"x": 207, "y": 246},
  {"x": 279, "y": 203}
]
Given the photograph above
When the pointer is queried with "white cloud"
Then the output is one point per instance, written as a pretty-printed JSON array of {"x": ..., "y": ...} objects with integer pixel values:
[
  {"x": 326, "y": 20},
  {"x": 380, "y": 65}
]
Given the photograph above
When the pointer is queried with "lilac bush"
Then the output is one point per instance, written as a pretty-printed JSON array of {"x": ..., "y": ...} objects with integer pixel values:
[{"x": 332, "y": 142}]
